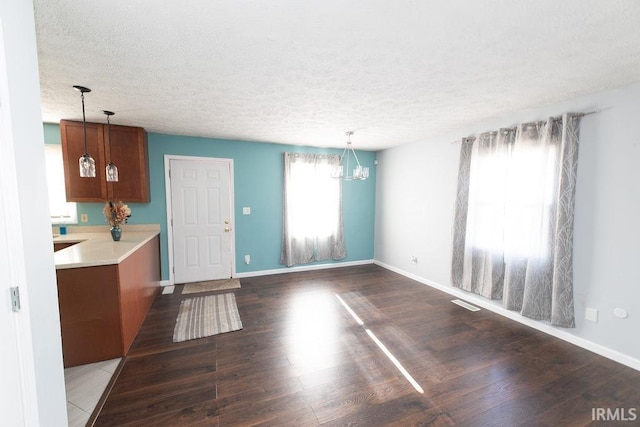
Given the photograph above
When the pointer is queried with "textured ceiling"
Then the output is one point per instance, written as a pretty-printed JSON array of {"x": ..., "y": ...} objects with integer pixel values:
[{"x": 304, "y": 72}]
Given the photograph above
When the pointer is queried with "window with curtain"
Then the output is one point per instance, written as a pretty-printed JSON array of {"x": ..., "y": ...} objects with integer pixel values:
[
  {"x": 513, "y": 226},
  {"x": 61, "y": 211},
  {"x": 312, "y": 212}
]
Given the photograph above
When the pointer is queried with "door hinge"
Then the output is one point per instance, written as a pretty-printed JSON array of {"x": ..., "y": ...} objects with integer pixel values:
[{"x": 15, "y": 299}]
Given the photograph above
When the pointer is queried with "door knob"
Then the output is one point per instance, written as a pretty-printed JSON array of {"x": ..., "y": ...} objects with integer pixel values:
[
  {"x": 226, "y": 222},
  {"x": 227, "y": 229}
]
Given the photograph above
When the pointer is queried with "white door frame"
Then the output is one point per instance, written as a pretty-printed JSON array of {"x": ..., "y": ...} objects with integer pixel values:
[
  {"x": 18, "y": 394},
  {"x": 167, "y": 186}
]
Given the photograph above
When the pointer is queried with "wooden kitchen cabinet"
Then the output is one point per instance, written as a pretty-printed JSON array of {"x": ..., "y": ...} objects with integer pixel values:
[
  {"x": 60, "y": 246},
  {"x": 128, "y": 153},
  {"x": 102, "y": 307},
  {"x": 83, "y": 189}
]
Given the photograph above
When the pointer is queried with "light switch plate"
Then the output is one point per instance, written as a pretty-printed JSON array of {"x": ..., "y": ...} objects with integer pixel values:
[
  {"x": 591, "y": 314},
  {"x": 246, "y": 211}
]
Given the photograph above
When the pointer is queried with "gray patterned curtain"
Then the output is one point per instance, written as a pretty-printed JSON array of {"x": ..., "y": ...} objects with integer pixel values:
[
  {"x": 513, "y": 226},
  {"x": 312, "y": 228}
]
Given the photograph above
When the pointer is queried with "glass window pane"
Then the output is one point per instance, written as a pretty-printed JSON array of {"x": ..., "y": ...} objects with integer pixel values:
[{"x": 61, "y": 211}]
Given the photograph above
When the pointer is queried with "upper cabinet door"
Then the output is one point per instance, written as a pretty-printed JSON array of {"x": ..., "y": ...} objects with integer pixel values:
[
  {"x": 83, "y": 189},
  {"x": 129, "y": 154}
]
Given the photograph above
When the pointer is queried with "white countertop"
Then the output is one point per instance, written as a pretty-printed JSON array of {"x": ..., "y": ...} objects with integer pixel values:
[{"x": 96, "y": 247}]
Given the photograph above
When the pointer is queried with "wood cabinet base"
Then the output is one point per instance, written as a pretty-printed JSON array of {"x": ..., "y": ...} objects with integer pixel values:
[{"x": 103, "y": 307}]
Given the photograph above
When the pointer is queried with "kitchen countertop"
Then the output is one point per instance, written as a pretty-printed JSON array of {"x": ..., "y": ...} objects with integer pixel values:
[{"x": 96, "y": 247}]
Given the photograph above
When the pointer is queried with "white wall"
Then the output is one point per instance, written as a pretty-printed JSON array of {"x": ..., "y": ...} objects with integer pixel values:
[
  {"x": 416, "y": 187},
  {"x": 18, "y": 31}
]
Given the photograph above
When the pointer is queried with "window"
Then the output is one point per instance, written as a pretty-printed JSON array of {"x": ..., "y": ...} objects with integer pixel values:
[
  {"x": 312, "y": 221},
  {"x": 60, "y": 211},
  {"x": 511, "y": 194},
  {"x": 313, "y": 197},
  {"x": 513, "y": 227}
]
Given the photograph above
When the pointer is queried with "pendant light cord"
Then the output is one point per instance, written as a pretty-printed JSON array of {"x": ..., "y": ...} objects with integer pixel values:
[
  {"x": 84, "y": 126},
  {"x": 109, "y": 137}
]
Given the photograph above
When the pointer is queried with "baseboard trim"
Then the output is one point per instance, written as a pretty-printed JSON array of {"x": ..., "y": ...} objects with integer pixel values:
[
  {"x": 302, "y": 268},
  {"x": 546, "y": 328}
]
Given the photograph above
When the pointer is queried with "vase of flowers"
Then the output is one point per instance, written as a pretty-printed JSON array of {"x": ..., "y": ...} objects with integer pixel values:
[{"x": 116, "y": 214}]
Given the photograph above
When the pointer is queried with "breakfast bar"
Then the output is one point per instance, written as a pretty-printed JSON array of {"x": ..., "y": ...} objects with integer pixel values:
[{"x": 105, "y": 289}]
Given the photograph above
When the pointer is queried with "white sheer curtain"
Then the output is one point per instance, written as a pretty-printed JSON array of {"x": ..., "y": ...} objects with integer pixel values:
[
  {"x": 312, "y": 218},
  {"x": 513, "y": 235}
]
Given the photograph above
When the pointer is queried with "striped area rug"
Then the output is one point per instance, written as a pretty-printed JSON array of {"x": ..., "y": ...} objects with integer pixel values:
[{"x": 205, "y": 316}]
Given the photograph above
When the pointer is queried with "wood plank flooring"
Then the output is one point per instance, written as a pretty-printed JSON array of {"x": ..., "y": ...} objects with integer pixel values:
[{"x": 302, "y": 359}]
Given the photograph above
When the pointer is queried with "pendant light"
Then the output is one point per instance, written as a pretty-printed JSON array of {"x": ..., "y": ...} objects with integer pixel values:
[
  {"x": 86, "y": 162},
  {"x": 111, "y": 169},
  {"x": 344, "y": 171}
]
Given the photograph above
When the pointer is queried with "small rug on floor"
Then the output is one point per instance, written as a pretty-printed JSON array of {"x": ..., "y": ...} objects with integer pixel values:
[
  {"x": 210, "y": 285},
  {"x": 200, "y": 317}
]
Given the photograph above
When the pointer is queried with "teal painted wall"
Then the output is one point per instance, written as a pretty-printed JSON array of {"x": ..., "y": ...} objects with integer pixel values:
[
  {"x": 52, "y": 134},
  {"x": 257, "y": 184}
]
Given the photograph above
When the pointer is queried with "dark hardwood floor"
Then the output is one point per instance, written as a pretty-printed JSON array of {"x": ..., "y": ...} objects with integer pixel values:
[{"x": 302, "y": 359}]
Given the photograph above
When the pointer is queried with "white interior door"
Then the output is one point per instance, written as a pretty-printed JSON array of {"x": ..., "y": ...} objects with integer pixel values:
[{"x": 202, "y": 219}]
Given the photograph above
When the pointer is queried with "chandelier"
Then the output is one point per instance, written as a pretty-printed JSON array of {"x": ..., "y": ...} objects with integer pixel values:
[{"x": 344, "y": 170}]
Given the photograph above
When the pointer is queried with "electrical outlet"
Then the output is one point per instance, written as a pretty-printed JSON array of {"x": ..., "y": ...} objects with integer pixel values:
[
  {"x": 247, "y": 259},
  {"x": 84, "y": 217},
  {"x": 591, "y": 314},
  {"x": 414, "y": 259}
]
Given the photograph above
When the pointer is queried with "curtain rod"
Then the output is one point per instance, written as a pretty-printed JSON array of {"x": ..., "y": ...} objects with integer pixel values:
[{"x": 588, "y": 113}]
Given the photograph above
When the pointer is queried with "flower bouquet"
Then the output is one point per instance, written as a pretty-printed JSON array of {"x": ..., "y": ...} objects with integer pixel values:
[{"x": 116, "y": 214}]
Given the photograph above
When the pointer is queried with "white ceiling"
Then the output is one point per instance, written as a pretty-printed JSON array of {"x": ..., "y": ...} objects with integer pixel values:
[{"x": 305, "y": 71}]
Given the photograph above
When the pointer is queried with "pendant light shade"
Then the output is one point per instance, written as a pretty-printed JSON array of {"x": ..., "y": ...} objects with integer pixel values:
[
  {"x": 344, "y": 171},
  {"x": 111, "y": 169},
  {"x": 86, "y": 163},
  {"x": 87, "y": 166}
]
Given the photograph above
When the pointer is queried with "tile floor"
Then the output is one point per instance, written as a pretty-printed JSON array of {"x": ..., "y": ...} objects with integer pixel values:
[{"x": 84, "y": 385}]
